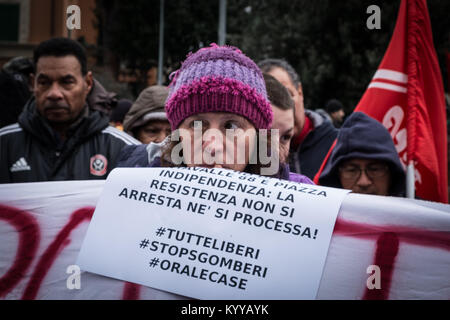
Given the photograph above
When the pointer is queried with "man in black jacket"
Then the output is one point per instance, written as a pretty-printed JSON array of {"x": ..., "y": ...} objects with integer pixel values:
[
  {"x": 58, "y": 137},
  {"x": 313, "y": 135}
]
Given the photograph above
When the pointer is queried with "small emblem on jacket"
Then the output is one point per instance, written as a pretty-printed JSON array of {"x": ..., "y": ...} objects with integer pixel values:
[
  {"x": 99, "y": 165},
  {"x": 20, "y": 165}
]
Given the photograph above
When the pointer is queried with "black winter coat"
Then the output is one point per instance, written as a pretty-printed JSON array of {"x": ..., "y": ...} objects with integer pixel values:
[{"x": 31, "y": 151}]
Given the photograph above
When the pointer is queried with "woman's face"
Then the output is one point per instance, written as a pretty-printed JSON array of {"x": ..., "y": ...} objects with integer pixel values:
[{"x": 216, "y": 139}]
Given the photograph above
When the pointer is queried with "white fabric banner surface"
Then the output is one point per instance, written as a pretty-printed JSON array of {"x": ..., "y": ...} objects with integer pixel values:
[{"x": 381, "y": 247}]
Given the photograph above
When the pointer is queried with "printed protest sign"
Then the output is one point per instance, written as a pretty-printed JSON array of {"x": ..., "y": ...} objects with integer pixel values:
[{"x": 212, "y": 233}]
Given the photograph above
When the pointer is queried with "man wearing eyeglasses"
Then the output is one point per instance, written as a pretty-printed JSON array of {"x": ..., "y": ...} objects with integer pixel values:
[{"x": 364, "y": 159}]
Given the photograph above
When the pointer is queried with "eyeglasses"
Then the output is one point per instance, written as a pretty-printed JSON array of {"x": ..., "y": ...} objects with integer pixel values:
[{"x": 373, "y": 171}]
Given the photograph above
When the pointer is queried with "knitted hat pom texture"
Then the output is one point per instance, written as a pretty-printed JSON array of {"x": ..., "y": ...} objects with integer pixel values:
[{"x": 219, "y": 79}]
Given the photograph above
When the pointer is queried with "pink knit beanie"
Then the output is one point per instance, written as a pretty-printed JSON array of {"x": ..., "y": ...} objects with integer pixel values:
[{"x": 219, "y": 79}]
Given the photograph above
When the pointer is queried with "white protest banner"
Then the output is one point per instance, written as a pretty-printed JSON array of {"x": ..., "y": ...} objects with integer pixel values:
[
  {"x": 212, "y": 233},
  {"x": 42, "y": 227}
]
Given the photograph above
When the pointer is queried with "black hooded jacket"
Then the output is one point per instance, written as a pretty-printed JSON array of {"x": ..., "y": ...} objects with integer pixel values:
[
  {"x": 364, "y": 137},
  {"x": 31, "y": 151}
]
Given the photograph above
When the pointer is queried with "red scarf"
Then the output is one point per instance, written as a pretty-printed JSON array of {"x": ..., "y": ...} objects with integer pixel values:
[{"x": 307, "y": 128}]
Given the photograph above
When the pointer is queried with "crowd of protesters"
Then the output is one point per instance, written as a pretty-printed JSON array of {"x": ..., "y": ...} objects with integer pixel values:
[{"x": 59, "y": 123}]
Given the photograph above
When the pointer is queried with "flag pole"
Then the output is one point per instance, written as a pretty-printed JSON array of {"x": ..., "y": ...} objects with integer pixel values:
[
  {"x": 410, "y": 190},
  {"x": 161, "y": 42}
]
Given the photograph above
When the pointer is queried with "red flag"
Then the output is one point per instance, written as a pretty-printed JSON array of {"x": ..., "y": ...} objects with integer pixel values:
[{"x": 406, "y": 95}]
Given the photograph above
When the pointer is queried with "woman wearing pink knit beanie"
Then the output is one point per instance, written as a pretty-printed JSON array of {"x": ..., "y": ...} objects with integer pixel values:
[{"x": 220, "y": 115}]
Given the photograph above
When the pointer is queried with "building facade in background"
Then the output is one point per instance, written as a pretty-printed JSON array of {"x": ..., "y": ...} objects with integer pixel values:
[{"x": 25, "y": 23}]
